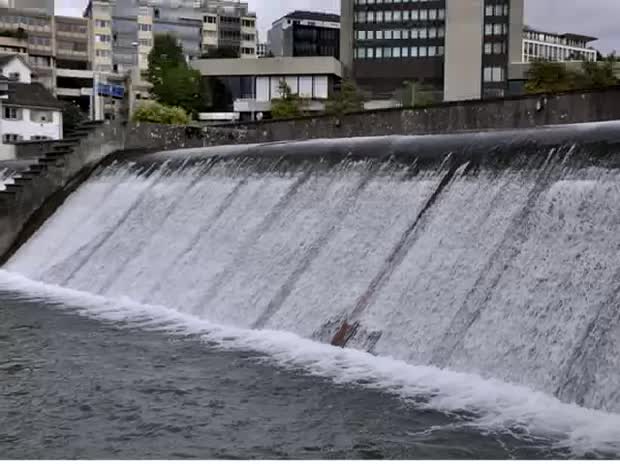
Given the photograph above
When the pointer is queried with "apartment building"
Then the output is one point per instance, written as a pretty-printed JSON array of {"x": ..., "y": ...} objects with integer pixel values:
[
  {"x": 460, "y": 48},
  {"x": 305, "y": 33},
  {"x": 35, "y": 29},
  {"x": 40, "y": 6},
  {"x": 228, "y": 24},
  {"x": 556, "y": 47}
]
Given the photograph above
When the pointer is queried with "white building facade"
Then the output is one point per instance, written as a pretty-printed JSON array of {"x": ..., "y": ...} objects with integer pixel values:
[
  {"x": 28, "y": 111},
  {"x": 557, "y": 47}
]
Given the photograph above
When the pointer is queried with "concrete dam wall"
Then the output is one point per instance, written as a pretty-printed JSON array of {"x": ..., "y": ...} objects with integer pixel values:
[{"x": 494, "y": 254}]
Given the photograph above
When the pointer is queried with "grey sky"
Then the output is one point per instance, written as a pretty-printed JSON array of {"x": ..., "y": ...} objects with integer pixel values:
[{"x": 598, "y": 18}]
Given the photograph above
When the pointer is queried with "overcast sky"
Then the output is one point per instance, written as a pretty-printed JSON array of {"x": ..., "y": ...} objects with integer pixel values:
[{"x": 598, "y": 18}]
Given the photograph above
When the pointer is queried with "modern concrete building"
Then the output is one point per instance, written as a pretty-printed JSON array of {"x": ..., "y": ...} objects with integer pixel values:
[
  {"x": 251, "y": 85},
  {"x": 228, "y": 24},
  {"x": 40, "y": 6},
  {"x": 305, "y": 33},
  {"x": 38, "y": 32},
  {"x": 556, "y": 47},
  {"x": 459, "y": 47}
]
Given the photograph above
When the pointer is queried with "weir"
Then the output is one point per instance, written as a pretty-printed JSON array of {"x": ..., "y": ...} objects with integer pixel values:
[{"x": 490, "y": 253}]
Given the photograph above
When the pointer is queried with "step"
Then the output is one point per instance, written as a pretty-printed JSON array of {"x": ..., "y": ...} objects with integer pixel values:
[
  {"x": 13, "y": 188},
  {"x": 60, "y": 151}
]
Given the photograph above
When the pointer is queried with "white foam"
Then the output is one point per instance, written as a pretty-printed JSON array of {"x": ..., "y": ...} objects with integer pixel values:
[{"x": 497, "y": 406}]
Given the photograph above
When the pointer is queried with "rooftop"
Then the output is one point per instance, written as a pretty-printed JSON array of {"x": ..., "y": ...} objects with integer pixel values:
[
  {"x": 31, "y": 95},
  {"x": 310, "y": 16},
  {"x": 565, "y": 35},
  {"x": 278, "y": 66}
]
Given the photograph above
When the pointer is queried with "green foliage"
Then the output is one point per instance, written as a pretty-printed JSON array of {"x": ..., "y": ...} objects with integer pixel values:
[
  {"x": 553, "y": 77},
  {"x": 598, "y": 75},
  {"x": 174, "y": 82},
  {"x": 160, "y": 114},
  {"x": 418, "y": 95},
  {"x": 288, "y": 105},
  {"x": 348, "y": 100},
  {"x": 20, "y": 33},
  {"x": 72, "y": 117}
]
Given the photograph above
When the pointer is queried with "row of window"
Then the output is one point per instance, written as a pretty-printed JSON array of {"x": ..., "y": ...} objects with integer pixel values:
[
  {"x": 25, "y": 20},
  {"x": 402, "y": 34},
  {"x": 15, "y": 114},
  {"x": 496, "y": 48},
  {"x": 248, "y": 51},
  {"x": 494, "y": 74},
  {"x": 38, "y": 40},
  {"x": 497, "y": 10},
  {"x": 399, "y": 16},
  {"x": 102, "y": 23},
  {"x": 495, "y": 29},
  {"x": 73, "y": 28},
  {"x": 398, "y": 52},
  {"x": 554, "y": 39},
  {"x": 145, "y": 27},
  {"x": 12, "y": 138},
  {"x": 103, "y": 38},
  {"x": 379, "y": 2},
  {"x": 533, "y": 50},
  {"x": 73, "y": 46}
]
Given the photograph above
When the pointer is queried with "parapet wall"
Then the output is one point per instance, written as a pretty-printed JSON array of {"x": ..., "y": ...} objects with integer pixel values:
[{"x": 513, "y": 113}]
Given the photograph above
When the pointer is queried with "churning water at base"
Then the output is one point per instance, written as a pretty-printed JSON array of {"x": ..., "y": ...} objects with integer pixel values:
[{"x": 509, "y": 274}]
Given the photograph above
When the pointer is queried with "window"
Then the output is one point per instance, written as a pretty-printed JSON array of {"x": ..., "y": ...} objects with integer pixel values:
[
  {"x": 13, "y": 114},
  {"x": 14, "y": 76},
  {"x": 103, "y": 38},
  {"x": 145, "y": 27},
  {"x": 40, "y": 137},
  {"x": 493, "y": 74},
  {"x": 102, "y": 23},
  {"x": 11, "y": 138}
]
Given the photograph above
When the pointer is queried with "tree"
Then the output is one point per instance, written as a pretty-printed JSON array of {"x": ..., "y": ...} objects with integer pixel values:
[
  {"x": 72, "y": 117},
  {"x": 348, "y": 100},
  {"x": 160, "y": 114},
  {"x": 174, "y": 82},
  {"x": 553, "y": 77},
  {"x": 288, "y": 105},
  {"x": 597, "y": 75},
  {"x": 549, "y": 77}
]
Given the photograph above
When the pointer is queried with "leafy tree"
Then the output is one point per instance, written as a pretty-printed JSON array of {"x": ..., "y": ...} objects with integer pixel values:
[
  {"x": 72, "y": 117},
  {"x": 160, "y": 114},
  {"x": 549, "y": 77},
  {"x": 553, "y": 77},
  {"x": 597, "y": 75},
  {"x": 288, "y": 105},
  {"x": 348, "y": 100},
  {"x": 174, "y": 82}
]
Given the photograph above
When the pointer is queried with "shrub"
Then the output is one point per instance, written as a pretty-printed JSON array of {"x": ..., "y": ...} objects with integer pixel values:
[{"x": 160, "y": 114}]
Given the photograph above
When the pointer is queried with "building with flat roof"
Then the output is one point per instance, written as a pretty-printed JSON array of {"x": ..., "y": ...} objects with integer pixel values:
[
  {"x": 460, "y": 48},
  {"x": 551, "y": 46},
  {"x": 305, "y": 33},
  {"x": 251, "y": 85}
]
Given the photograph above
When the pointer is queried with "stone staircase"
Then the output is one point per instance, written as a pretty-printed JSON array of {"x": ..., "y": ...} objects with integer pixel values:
[
  {"x": 36, "y": 192},
  {"x": 54, "y": 158}
]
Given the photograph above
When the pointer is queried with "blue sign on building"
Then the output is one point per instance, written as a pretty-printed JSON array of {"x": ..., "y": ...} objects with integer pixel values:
[{"x": 108, "y": 90}]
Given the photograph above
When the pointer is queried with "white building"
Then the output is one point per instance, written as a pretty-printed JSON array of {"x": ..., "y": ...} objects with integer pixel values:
[
  {"x": 28, "y": 110},
  {"x": 253, "y": 83},
  {"x": 557, "y": 47}
]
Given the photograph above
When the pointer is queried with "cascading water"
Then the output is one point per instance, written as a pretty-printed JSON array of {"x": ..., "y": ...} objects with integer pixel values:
[{"x": 494, "y": 255}]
